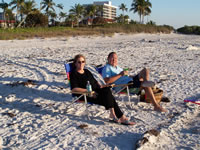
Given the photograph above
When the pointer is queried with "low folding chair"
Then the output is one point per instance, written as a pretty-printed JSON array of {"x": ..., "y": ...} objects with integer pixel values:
[
  {"x": 69, "y": 68},
  {"x": 125, "y": 87}
]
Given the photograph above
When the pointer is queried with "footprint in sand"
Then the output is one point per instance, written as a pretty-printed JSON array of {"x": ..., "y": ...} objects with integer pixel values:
[
  {"x": 11, "y": 98},
  {"x": 43, "y": 87}
]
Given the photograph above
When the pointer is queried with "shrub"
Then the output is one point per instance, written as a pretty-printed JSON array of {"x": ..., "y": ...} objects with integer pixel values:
[
  {"x": 134, "y": 22},
  {"x": 37, "y": 19},
  {"x": 189, "y": 30},
  {"x": 99, "y": 21},
  {"x": 197, "y": 31},
  {"x": 106, "y": 29},
  {"x": 168, "y": 27},
  {"x": 151, "y": 23}
]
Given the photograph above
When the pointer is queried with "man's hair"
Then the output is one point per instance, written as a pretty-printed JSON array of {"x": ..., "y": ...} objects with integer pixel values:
[{"x": 110, "y": 54}]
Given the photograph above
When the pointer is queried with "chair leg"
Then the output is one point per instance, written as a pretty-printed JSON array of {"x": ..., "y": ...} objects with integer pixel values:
[
  {"x": 86, "y": 108},
  {"x": 128, "y": 94},
  {"x": 73, "y": 101}
]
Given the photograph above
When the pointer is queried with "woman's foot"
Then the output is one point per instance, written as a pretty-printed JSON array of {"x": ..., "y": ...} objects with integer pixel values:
[
  {"x": 123, "y": 120},
  {"x": 114, "y": 119}
]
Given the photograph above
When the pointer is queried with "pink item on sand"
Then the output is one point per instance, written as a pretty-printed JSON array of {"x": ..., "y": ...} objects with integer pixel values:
[{"x": 193, "y": 101}]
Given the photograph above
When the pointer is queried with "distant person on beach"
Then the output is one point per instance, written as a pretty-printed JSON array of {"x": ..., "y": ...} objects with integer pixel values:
[
  {"x": 102, "y": 95},
  {"x": 112, "y": 73}
]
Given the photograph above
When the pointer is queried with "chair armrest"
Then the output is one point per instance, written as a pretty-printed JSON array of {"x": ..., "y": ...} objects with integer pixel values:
[
  {"x": 84, "y": 93},
  {"x": 118, "y": 85}
]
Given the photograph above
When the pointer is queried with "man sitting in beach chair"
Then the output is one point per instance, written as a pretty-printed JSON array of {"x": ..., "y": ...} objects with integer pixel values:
[
  {"x": 116, "y": 88},
  {"x": 112, "y": 73}
]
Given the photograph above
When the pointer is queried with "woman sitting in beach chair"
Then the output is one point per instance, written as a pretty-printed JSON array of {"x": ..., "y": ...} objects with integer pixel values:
[{"x": 101, "y": 95}]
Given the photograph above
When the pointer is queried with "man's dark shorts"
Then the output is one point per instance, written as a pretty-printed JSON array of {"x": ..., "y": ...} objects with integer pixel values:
[{"x": 136, "y": 82}]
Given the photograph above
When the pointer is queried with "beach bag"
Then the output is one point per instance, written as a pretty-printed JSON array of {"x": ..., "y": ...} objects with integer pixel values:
[{"x": 158, "y": 93}]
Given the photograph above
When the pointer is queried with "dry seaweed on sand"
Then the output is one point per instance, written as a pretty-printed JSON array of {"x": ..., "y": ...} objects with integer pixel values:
[
  {"x": 26, "y": 83},
  {"x": 83, "y": 126},
  {"x": 10, "y": 114}
]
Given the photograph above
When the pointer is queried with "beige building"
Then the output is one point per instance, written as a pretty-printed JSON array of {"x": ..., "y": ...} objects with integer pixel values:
[{"x": 109, "y": 11}]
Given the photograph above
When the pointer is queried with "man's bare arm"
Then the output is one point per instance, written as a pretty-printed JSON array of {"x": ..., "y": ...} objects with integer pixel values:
[{"x": 112, "y": 79}]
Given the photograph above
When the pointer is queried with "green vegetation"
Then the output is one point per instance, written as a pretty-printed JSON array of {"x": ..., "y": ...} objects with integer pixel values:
[
  {"x": 107, "y": 30},
  {"x": 189, "y": 30},
  {"x": 44, "y": 22},
  {"x": 77, "y": 14}
]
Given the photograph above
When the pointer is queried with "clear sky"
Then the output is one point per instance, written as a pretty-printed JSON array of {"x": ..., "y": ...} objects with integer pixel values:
[{"x": 176, "y": 13}]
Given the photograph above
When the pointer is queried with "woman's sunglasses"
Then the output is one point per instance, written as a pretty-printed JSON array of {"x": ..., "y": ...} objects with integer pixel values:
[{"x": 81, "y": 62}]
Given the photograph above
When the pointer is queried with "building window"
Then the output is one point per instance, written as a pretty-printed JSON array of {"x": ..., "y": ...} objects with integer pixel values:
[{"x": 1, "y": 16}]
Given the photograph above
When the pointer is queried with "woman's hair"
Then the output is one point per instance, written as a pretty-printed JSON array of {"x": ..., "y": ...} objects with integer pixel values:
[
  {"x": 77, "y": 57},
  {"x": 110, "y": 54}
]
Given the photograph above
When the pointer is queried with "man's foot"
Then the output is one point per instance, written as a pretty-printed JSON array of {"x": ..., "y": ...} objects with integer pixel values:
[
  {"x": 160, "y": 109},
  {"x": 148, "y": 84}
]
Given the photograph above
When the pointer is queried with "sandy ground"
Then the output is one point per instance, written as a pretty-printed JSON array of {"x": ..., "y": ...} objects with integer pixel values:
[{"x": 33, "y": 115}]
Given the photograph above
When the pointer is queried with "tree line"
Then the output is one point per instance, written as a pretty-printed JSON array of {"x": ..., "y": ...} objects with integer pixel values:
[{"x": 27, "y": 13}]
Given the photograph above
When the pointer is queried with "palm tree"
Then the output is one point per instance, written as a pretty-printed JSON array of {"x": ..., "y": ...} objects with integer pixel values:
[
  {"x": 99, "y": 10},
  {"x": 4, "y": 6},
  {"x": 123, "y": 8},
  {"x": 91, "y": 11},
  {"x": 47, "y": 5},
  {"x": 142, "y": 7},
  {"x": 26, "y": 9},
  {"x": 120, "y": 18},
  {"x": 147, "y": 10},
  {"x": 71, "y": 18},
  {"x": 53, "y": 16},
  {"x": 126, "y": 17},
  {"x": 77, "y": 11},
  {"x": 62, "y": 15},
  {"x": 60, "y": 6},
  {"x": 17, "y": 4}
]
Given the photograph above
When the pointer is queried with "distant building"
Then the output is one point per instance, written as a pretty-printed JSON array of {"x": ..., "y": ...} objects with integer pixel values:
[
  {"x": 5, "y": 23},
  {"x": 2, "y": 16},
  {"x": 108, "y": 10},
  {"x": 2, "y": 20}
]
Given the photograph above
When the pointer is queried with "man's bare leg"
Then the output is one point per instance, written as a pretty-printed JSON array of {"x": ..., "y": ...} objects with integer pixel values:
[
  {"x": 150, "y": 95},
  {"x": 144, "y": 74}
]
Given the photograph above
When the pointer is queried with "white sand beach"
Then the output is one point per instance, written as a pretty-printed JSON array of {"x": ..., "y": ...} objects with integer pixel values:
[{"x": 33, "y": 116}]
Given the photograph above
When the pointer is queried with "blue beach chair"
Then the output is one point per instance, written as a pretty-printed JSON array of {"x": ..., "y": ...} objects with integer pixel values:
[
  {"x": 82, "y": 98},
  {"x": 124, "y": 90}
]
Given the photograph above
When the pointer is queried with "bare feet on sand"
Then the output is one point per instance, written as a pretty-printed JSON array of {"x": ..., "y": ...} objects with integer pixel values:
[{"x": 160, "y": 109}]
